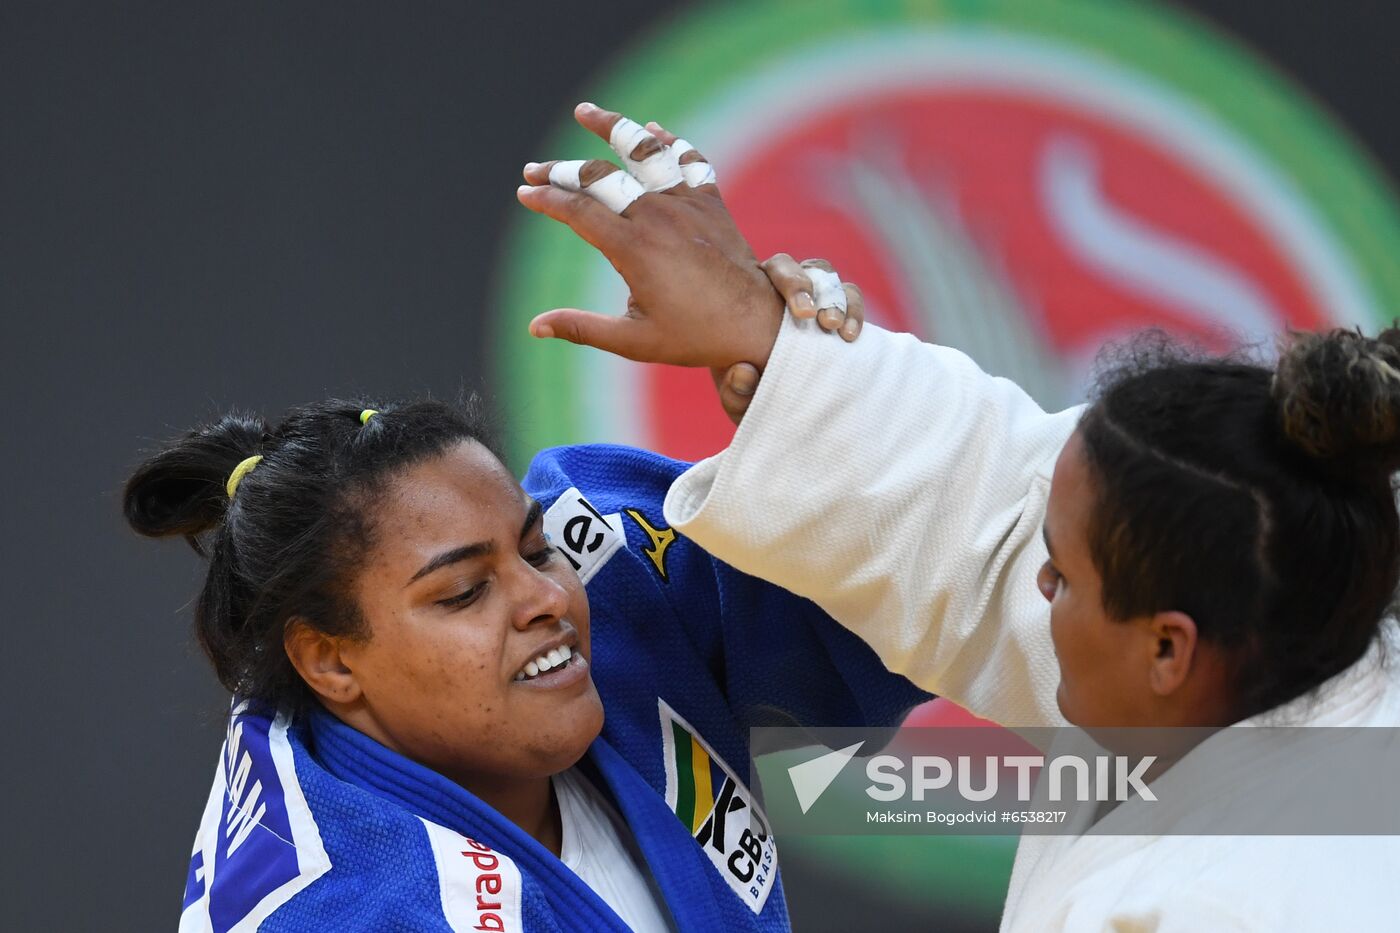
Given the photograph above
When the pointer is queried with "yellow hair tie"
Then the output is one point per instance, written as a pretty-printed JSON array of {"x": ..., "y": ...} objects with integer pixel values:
[
  {"x": 243, "y": 469},
  {"x": 367, "y": 414}
]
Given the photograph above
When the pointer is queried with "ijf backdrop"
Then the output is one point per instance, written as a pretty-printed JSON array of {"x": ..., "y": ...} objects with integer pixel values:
[{"x": 1022, "y": 180}]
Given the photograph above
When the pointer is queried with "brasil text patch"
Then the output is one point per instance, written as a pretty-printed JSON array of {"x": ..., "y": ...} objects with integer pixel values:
[{"x": 719, "y": 811}]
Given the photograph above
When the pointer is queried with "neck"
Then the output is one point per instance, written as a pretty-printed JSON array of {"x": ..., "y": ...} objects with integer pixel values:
[{"x": 528, "y": 803}]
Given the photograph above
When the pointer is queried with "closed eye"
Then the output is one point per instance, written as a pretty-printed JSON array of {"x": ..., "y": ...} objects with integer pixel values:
[{"x": 464, "y": 598}]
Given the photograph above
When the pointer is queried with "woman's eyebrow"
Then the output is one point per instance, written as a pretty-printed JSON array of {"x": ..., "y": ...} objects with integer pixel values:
[
  {"x": 466, "y": 552},
  {"x": 480, "y": 549},
  {"x": 532, "y": 515}
]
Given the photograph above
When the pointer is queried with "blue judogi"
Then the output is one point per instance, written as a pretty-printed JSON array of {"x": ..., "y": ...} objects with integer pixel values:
[{"x": 311, "y": 825}]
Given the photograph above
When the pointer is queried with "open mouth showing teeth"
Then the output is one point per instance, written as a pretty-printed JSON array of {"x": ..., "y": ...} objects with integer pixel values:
[{"x": 551, "y": 660}]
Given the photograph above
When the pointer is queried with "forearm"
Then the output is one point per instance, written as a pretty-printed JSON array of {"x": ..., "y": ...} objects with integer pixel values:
[{"x": 903, "y": 490}]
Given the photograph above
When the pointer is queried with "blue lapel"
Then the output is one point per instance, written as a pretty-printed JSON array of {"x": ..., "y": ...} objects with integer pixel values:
[
  {"x": 676, "y": 861},
  {"x": 353, "y": 757}
]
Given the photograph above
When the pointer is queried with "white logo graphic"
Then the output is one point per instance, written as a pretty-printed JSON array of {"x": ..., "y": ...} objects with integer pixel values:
[
  {"x": 811, "y": 778},
  {"x": 586, "y": 538},
  {"x": 480, "y": 888}
]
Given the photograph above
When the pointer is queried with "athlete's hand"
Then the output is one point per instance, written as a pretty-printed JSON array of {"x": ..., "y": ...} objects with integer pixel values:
[
  {"x": 699, "y": 297},
  {"x": 736, "y": 387},
  {"x": 794, "y": 283}
]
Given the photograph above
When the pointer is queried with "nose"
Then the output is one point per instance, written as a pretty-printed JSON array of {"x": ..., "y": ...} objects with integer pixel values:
[
  {"x": 541, "y": 598},
  {"x": 1047, "y": 581}
]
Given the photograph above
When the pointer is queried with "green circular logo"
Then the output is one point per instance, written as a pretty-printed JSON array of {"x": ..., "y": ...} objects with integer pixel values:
[{"x": 1019, "y": 179}]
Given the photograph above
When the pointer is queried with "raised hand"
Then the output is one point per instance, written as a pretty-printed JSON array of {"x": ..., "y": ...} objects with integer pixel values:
[{"x": 699, "y": 296}]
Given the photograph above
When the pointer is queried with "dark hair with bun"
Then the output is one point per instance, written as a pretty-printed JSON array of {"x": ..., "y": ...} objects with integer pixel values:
[
  {"x": 1340, "y": 398},
  {"x": 1257, "y": 500},
  {"x": 293, "y": 535}
]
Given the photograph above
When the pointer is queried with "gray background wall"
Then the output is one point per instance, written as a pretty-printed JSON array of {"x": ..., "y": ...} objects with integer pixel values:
[{"x": 211, "y": 205}]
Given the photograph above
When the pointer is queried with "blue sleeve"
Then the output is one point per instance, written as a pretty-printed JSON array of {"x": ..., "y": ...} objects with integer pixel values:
[{"x": 776, "y": 658}]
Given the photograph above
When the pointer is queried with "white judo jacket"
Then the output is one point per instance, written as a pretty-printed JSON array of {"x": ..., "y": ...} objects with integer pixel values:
[{"x": 903, "y": 490}]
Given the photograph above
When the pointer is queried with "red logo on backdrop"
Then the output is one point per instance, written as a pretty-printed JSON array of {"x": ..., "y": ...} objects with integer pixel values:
[{"x": 1024, "y": 231}]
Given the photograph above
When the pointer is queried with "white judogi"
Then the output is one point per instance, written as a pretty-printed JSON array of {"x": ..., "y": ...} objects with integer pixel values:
[
  {"x": 598, "y": 847},
  {"x": 903, "y": 490}
]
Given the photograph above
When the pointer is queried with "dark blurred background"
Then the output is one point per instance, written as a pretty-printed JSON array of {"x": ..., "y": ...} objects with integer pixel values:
[{"x": 206, "y": 206}]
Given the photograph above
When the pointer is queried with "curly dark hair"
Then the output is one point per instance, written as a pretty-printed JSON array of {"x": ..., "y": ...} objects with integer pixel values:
[{"x": 1256, "y": 499}]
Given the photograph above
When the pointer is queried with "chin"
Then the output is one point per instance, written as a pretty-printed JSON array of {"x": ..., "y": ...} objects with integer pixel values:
[{"x": 579, "y": 724}]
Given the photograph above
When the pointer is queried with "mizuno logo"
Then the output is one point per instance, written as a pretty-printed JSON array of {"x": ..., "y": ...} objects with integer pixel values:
[{"x": 661, "y": 539}]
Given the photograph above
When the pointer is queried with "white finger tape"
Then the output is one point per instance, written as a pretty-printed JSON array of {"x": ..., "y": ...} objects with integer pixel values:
[
  {"x": 616, "y": 190},
  {"x": 565, "y": 175},
  {"x": 695, "y": 173},
  {"x": 698, "y": 173},
  {"x": 826, "y": 288},
  {"x": 658, "y": 171}
]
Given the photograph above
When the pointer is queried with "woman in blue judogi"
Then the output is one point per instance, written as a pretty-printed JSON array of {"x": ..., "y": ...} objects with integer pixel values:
[{"x": 437, "y": 727}]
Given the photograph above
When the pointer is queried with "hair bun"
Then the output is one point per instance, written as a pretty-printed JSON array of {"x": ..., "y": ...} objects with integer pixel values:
[
  {"x": 180, "y": 490},
  {"x": 1339, "y": 398}
]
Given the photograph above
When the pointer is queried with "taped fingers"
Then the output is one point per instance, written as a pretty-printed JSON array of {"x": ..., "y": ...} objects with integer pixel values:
[
  {"x": 684, "y": 150},
  {"x": 855, "y": 313},
  {"x": 598, "y": 179},
  {"x": 588, "y": 218},
  {"x": 649, "y": 153},
  {"x": 647, "y": 158},
  {"x": 793, "y": 283},
  {"x": 830, "y": 298},
  {"x": 850, "y": 327},
  {"x": 695, "y": 169},
  {"x": 661, "y": 133},
  {"x": 577, "y": 174},
  {"x": 813, "y": 289}
]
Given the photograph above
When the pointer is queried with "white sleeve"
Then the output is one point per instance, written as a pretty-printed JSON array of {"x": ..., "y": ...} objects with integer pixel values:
[{"x": 902, "y": 489}]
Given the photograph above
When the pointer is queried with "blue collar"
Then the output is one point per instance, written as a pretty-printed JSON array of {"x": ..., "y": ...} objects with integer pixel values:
[
  {"x": 675, "y": 860},
  {"x": 353, "y": 757}
]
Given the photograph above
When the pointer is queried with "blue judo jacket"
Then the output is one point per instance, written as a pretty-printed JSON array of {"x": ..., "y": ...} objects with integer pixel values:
[{"x": 311, "y": 825}]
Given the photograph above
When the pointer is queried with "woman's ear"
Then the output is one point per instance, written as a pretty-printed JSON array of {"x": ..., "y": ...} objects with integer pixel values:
[
  {"x": 1176, "y": 644},
  {"x": 316, "y": 656}
]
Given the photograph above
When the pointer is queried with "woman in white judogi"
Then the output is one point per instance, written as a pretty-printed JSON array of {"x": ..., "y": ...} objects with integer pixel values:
[
  {"x": 1225, "y": 546},
  {"x": 937, "y": 559}
]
